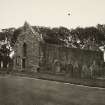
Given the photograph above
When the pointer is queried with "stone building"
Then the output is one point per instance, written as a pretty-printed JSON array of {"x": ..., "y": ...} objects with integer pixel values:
[
  {"x": 32, "y": 53},
  {"x": 27, "y": 49}
]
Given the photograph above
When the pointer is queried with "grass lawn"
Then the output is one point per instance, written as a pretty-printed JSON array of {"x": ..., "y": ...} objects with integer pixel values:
[{"x": 15, "y": 90}]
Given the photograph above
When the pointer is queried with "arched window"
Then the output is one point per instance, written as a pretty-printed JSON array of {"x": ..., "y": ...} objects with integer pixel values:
[{"x": 24, "y": 49}]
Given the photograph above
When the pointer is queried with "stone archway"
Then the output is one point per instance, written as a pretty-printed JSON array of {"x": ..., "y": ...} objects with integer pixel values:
[{"x": 57, "y": 66}]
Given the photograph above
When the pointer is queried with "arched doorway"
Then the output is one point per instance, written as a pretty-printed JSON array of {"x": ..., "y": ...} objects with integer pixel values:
[
  {"x": 57, "y": 66},
  {"x": 24, "y": 55}
]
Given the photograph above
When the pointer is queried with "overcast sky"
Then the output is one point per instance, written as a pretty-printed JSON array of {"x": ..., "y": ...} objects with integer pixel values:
[{"x": 52, "y": 13}]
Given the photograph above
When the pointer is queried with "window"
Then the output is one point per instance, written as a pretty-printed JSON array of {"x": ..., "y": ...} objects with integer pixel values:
[{"x": 24, "y": 49}]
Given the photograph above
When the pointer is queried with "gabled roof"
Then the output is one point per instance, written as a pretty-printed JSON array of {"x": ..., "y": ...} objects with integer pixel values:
[{"x": 29, "y": 27}]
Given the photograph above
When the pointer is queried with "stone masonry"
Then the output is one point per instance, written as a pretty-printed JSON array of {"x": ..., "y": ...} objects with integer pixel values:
[
  {"x": 30, "y": 60},
  {"x": 34, "y": 54}
]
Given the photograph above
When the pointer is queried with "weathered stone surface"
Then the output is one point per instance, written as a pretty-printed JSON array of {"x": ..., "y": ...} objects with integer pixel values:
[
  {"x": 52, "y": 58},
  {"x": 29, "y": 37},
  {"x": 58, "y": 58}
]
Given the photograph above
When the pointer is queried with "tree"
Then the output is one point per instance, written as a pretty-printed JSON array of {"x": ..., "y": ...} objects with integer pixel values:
[{"x": 5, "y": 46}]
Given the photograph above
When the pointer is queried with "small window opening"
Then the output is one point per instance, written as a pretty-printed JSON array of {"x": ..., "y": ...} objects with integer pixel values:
[{"x": 24, "y": 49}]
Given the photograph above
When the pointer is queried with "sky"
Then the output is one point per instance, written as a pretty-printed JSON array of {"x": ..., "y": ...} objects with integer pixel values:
[{"x": 52, "y": 13}]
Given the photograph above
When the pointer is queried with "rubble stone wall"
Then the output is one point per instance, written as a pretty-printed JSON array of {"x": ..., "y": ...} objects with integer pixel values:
[{"x": 58, "y": 59}]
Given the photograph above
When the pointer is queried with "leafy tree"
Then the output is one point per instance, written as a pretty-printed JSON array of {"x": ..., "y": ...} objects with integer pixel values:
[
  {"x": 15, "y": 35},
  {"x": 88, "y": 38}
]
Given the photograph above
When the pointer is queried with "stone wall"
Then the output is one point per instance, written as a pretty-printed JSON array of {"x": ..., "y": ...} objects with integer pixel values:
[{"x": 58, "y": 59}]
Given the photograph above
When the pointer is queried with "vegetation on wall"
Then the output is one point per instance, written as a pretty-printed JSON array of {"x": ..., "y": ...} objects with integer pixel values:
[{"x": 90, "y": 38}]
